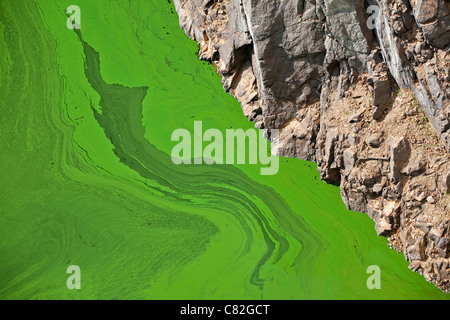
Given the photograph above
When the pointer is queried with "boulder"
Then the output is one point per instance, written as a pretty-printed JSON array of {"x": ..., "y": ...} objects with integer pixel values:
[{"x": 400, "y": 151}]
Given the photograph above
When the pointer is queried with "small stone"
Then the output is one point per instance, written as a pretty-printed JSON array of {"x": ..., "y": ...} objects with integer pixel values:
[
  {"x": 421, "y": 196},
  {"x": 356, "y": 117},
  {"x": 436, "y": 233},
  {"x": 400, "y": 151},
  {"x": 418, "y": 167},
  {"x": 377, "y": 188},
  {"x": 349, "y": 159},
  {"x": 374, "y": 140},
  {"x": 353, "y": 139}
]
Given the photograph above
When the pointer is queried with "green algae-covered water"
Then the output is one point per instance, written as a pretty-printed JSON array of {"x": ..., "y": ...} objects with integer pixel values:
[{"x": 87, "y": 178}]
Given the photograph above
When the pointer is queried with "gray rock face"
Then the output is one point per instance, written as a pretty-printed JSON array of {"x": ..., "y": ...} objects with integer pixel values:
[
  {"x": 412, "y": 70},
  {"x": 433, "y": 18},
  {"x": 278, "y": 56},
  {"x": 368, "y": 102},
  {"x": 379, "y": 84}
]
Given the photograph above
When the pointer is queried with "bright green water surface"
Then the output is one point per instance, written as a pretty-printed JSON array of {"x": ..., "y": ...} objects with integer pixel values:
[{"x": 87, "y": 179}]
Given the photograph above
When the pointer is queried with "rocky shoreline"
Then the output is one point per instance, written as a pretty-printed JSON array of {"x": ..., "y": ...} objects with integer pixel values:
[{"x": 369, "y": 103}]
